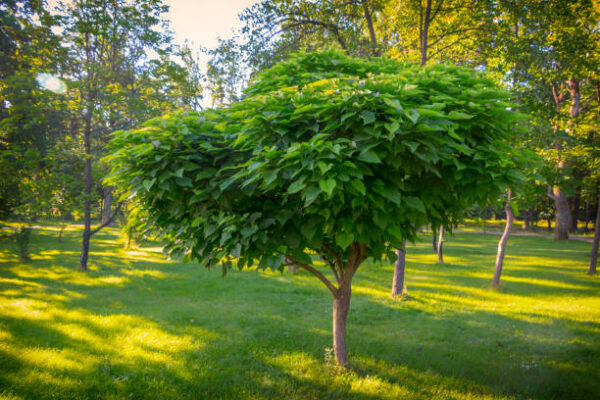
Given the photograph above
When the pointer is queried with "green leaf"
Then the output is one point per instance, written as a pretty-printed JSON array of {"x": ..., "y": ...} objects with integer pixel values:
[
  {"x": 327, "y": 185},
  {"x": 359, "y": 185},
  {"x": 415, "y": 203},
  {"x": 310, "y": 194},
  {"x": 148, "y": 183},
  {"x": 269, "y": 176},
  {"x": 392, "y": 127},
  {"x": 343, "y": 239},
  {"x": 297, "y": 186},
  {"x": 368, "y": 117},
  {"x": 369, "y": 157},
  {"x": 458, "y": 115}
]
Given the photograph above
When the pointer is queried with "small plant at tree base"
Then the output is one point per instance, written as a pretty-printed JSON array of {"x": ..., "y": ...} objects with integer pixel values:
[{"x": 327, "y": 156}]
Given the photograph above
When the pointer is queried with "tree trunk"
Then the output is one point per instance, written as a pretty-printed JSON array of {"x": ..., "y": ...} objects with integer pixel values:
[
  {"x": 398, "y": 282},
  {"x": 434, "y": 239},
  {"x": 341, "y": 306},
  {"x": 596, "y": 241},
  {"x": 510, "y": 216},
  {"x": 525, "y": 220},
  {"x": 369, "y": 20},
  {"x": 107, "y": 208},
  {"x": 586, "y": 229},
  {"x": 85, "y": 248},
  {"x": 440, "y": 246},
  {"x": 425, "y": 33},
  {"x": 563, "y": 215}
]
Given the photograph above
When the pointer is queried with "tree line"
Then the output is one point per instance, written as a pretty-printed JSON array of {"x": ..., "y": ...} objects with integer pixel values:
[{"x": 73, "y": 73}]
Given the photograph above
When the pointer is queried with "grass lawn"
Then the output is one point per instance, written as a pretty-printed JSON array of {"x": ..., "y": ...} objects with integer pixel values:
[{"x": 139, "y": 327}]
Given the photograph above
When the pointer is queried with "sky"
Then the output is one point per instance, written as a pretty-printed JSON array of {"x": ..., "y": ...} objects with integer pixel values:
[{"x": 202, "y": 21}]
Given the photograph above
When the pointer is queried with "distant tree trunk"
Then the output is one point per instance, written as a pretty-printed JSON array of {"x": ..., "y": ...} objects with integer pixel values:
[
  {"x": 595, "y": 242},
  {"x": 503, "y": 240},
  {"x": 526, "y": 220},
  {"x": 588, "y": 216},
  {"x": 292, "y": 269},
  {"x": 440, "y": 246},
  {"x": 561, "y": 204},
  {"x": 434, "y": 239},
  {"x": 563, "y": 215},
  {"x": 549, "y": 219},
  {"x": 425, "y": 21},
  {"x": 85, "y": 245},
  {"x": 369, "y": 19},
  {"x": 398, "y": 282},
  {"x": 107, "y": 208}
]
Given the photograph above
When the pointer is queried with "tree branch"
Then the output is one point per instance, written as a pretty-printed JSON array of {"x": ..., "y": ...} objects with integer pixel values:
[
  {"x": 108, "y": 221},
  {"x": 316, "y": 273}
]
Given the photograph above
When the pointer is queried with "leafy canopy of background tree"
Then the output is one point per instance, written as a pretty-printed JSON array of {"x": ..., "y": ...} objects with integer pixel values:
[{"x": 325, "y": 151}]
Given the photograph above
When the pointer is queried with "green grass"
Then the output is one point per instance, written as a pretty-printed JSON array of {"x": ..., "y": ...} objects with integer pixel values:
[{"x": 137, "y": 326}]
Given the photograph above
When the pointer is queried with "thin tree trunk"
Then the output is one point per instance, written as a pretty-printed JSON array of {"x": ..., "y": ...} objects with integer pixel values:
[
  {"x": 510, "y": 216},
  {"x": 369, "y": 20},
  {"x": 85, "y": 247},
  {"x": 341, "y": 306},
  {"x": 425, "y": 33},
  {"x": 398, "y": 282},
  {"x": 587, "y": 216},
  {"x": 595, "y": 243},
  {"x": 434, "y": 239},
  {"x": 526, "y": 220},
  {"x": 440, "y": 246}
]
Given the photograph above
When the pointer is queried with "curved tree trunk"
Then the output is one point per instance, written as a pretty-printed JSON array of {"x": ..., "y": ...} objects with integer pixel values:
[
  {"x": 440, "y": 246},
  {"x": 398, "y": 282},
  {"x": 510, "y": 217},
  {"x": 595, "y": 243}
]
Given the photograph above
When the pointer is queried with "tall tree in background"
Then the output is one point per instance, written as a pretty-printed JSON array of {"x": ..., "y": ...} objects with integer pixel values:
[{"x": 105, "y": 41}]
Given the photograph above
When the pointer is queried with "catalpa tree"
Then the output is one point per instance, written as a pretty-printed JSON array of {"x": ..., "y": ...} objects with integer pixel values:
[{"x": 326, "y": 162}]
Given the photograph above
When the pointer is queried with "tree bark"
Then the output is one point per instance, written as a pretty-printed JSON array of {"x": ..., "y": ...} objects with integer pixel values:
[
  {"x": 425, "y": 33},
  {"x": 369, "y": 20},
  {"x": 434, "y": 239},
  {"x": 595, "y": 243},
  {"x": 510, "y": 216},
  {"x": 398, "y": 282},
  {"x": 440, "y": 246},
  {"x": 341, "y": 306},
  {"x": 563, "y": 215},
  {"x": 106, "y": 209}
]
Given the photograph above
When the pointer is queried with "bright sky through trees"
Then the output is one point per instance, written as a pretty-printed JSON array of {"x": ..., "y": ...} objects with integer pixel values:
[{"x": 202, "y": 21}]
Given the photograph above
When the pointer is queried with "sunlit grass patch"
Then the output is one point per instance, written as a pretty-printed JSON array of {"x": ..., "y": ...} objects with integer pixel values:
[{"x": 139, "y": 326}]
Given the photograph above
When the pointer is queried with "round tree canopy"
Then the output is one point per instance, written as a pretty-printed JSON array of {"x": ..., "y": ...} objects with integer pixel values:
[{"x": 324, "y": 153}]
